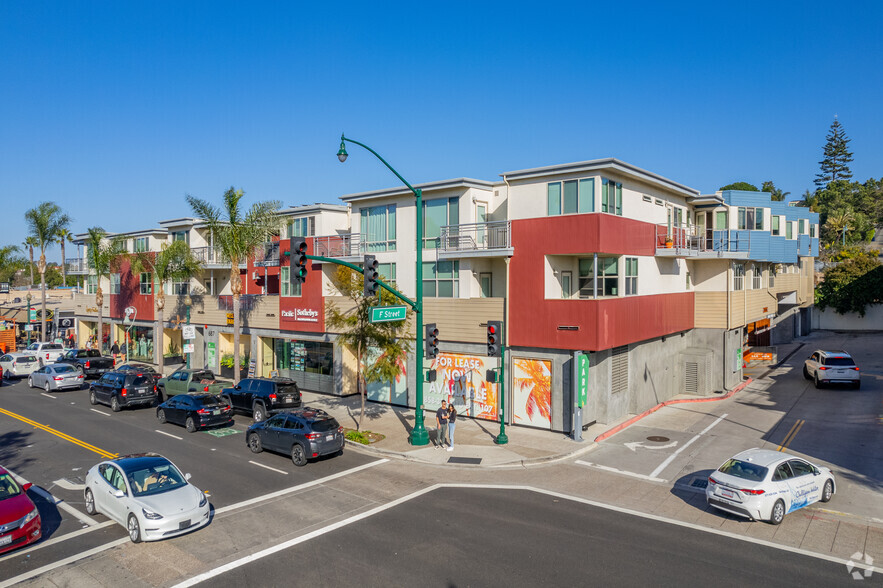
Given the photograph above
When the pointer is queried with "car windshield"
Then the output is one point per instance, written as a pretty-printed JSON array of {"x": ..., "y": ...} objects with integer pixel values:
[
  {"x": 844, "y": 361},
  {"x": 64, "y": 369},
  {"x": 34, "y": 347},
  {"x": 8, "y": 487},
  {"x": 155, "y": 477},
  {"x": 744, "y": 470}
]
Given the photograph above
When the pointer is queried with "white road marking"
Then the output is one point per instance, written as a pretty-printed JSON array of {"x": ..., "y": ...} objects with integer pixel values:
[
  {"x": 100, "y": 411},
  {"x": 616, "y": 471},
  {"x": 64, "y": 484},
  {"x": 636, "y": 444},
  {"x": 169, "y": 435},
  {"x": 62, "y": 562},
  {"x": 47, "y": 395},
  {"x": 57, "y": 539},
  {"x": 671, "y": 457},
  {"x": 86, "y": 520},
  {"x": 268, "y": 467}
]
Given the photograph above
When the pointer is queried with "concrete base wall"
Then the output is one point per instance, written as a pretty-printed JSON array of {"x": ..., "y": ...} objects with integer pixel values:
[
  {"x": 727, "y": 362},
  {"x": 829, "y": 320}
]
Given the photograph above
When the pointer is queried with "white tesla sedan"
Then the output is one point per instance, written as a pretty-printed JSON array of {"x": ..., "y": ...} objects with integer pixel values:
[
  {"x": 148, "y": 495},
  {"x": 764, "y": 485}
]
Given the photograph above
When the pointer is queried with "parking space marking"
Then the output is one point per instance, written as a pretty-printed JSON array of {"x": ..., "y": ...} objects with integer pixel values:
[
  {"x": 100, "y": 411},
  {"x": 169, "y": 435},
  {"x": 616, "y": 471},
  {"x": 267, "y": 467},
  {"x": 62, "y": 562},
  {"x": 65, "y": 436},
  {"x": 55, "y": 501},
  {"x": 55, "y": 540},
  {"x": 791, "y": 434},
  {"x": 47, "y": 395},
  {"x": 670, "y": 458}
]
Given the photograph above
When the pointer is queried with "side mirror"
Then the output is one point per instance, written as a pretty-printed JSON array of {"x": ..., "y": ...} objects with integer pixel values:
[
  {"x": 187, "y": 477},
  {"x": 119, "y": 494},
  {"x": 237, "y": 387},
  {"x": 27, "y": 486}
]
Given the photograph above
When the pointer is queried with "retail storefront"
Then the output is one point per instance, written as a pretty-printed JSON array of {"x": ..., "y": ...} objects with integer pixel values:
[
  {"x": 309, "y": 363},
  {"x": 140, "y": 344}
]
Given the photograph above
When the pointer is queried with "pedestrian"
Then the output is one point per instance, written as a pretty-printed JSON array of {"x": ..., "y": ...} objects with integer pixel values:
[
  {"x": 441, "y": 419},
  {"x": 452, "y": 424},
  {"x": 115, "y": 349}
]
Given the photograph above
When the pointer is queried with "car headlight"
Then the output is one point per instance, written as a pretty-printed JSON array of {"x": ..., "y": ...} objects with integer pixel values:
[
  {"x": 30, "y": 517},
  {"x": 150, "y": 514},
  {"x": 203, "y": 501}
]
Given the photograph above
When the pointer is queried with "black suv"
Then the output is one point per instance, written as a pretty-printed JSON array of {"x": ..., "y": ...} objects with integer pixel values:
[
  {"x": 119, "y": 390},
  {"x": 262, "y": 397},
  {"x": 304, "y": 433}
]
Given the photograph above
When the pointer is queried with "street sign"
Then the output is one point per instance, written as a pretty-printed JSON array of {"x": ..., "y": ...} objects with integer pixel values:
[
  {"x": 385, "y": 314},
  {"x": 189, "y": 347},
  {"x": 229, "y": 318},
  {"x": 4, "y": 287},
  {"x": 582, "y": 378},
  {"x": 189, "y": 331}
]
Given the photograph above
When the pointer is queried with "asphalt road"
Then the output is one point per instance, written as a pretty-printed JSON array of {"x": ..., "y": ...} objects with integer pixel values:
[{"x": 481, "y": 537}]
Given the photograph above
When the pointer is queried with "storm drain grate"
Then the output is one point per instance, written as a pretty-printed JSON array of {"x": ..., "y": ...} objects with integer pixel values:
[
  {"x": 469, "y": 460},
  {"x": 699, "y": 483}
]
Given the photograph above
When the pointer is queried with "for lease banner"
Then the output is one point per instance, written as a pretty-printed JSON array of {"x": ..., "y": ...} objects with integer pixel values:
[{"x": 461, "y": 380}]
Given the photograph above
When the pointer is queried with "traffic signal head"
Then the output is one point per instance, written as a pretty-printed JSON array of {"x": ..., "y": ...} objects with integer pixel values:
[
  {"x": 371, "y": 276},
  {"x": 298, "y": 260},
  {"x": 431, "y": 339},
  {"x": 494, "y": 338}
]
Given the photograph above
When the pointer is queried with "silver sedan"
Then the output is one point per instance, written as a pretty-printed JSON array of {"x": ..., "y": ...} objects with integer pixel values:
[{"x": 57, "y": 376}]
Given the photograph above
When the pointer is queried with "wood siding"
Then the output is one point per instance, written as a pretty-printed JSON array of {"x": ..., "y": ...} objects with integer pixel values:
[
  {"x": 711, "y": 310},
  {"x": 264, "y": 313}
]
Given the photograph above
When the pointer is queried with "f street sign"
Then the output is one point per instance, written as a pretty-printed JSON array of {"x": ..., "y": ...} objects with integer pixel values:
[{"x": 385, "y": 314}]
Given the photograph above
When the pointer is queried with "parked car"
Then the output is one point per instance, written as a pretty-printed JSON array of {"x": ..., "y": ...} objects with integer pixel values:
[
  {"x": 764, "y": 485},
  {"x": 148, "y": 495},
  {"x": 46, "y": 352},
  {"x": 20, "y": 522},
  {"x": 18, "y": 365},
  {"x": 303, "y": 433},
  {"x": 195, "y": 411},
  {"x": 184, "y": 381},
  {"x": 139, "y": 369},
  {"x": 56, "y": 377},
  {"x": 261, "y": 397},
  {"x": 120, "y": 390},
  {"x": 89, "y": 361},
  {"x": 828, "y": 367}
]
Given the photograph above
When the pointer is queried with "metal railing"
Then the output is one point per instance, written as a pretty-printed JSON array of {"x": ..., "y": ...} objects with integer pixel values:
[
  {"x": 76, "y": 265},
  {"x": 691, "y": 241},
  {"x": 267, "y": 255},
  {"x": 210, "y": 255},
  {"x": 476, "y": 236},
  {"x": 346, "y": 245}
]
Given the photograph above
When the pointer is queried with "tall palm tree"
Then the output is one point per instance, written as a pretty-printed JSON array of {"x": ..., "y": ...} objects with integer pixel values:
[
  {"x": 44, "y": 222},
  {"x": 29, "y": 244},
  {"x": 64, "y": 235},
  {"x": 237, "y": 234},
  {"x": 174, "y": 262},
  {"x": 103, "y": 256}
]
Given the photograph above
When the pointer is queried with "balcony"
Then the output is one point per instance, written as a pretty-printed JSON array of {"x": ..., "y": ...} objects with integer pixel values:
[
  {"x": 349, "y": 245},
  {"x": 690, "y": 242},
  {"x": 76, "y": 266},
  {"x": 490, "y": 239},
  {"x": 267, "y": 255},
  {"x": 212, "y": 257}
]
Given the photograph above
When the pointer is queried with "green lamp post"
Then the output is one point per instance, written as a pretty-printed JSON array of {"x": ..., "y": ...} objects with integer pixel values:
[
  {"x": 188, "y": 302},
  {"x": 419, "y": 434},
  {"x": 29, "y": 317}
]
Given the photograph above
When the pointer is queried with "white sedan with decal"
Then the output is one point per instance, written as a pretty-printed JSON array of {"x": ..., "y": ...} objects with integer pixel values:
[{"x": 765, "y": 485}]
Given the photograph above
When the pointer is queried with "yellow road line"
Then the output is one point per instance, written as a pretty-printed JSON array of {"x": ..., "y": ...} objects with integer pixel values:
[
  {"x": 65, "y": 436},
  {"x": 791, "y": 434}
]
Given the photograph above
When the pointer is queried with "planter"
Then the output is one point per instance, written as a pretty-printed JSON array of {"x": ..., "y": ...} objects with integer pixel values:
[
  {"x": 227, "y": 373},
  {"x": 669, "y": 244},
  {"x": 172, "y": 359}
]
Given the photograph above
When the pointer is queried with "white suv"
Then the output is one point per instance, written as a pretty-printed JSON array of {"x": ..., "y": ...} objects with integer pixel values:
[
  {"x": 827, "y": 367},
  {"x": 46, "y": 352}
]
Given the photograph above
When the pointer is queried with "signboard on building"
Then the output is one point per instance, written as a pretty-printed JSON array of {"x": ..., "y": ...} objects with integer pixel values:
[
  {"x": 532, "y": 392},
  {"x": 211, "y": 358},
  {"x": 308, "y": 315},
  {"x": 189, "y": 331},
  {"x": 461, "y": 381},
  {"x": 229, "y": 318},
  {"x": 4, "y": 287},
  {"x": 582, "y": 382},
  {"x": 189, "y": 347}
]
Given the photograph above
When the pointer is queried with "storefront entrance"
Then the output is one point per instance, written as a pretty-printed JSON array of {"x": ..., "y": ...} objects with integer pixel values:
[{"x": 309, "y": 363}]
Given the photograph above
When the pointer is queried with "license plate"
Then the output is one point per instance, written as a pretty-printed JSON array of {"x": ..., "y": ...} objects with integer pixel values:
[
  {"x": 216, "y": 411},
  {"x": 5, "y": 540},
  {"x": 727, "y": 493},
  {"x": 141, "y": 390},
  {"x": 288, "y": 399},
  {"x": 329, "y": 437},
  {"x": 184, "y": 524}
]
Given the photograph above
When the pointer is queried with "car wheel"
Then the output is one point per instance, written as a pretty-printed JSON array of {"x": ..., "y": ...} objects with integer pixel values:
[
  {"x": 47, "y": 387},
  {"x": 115, "y": 404},
  {"x": 159, "y": 394},
  {"x": 134, "y": 529},
  {"x": 92, "y": 398},
  {"x": 259, "y": 413},
  {"x": 30, "y": 382},
  {"x": 827, "y": 491},
  {"x": 806, "y": 373},
  {"x": 161, "y": 416},
  {"x": 90, "y": 502},
  {"x": 190, "y": 425},
  {"x": 254, "y": 443},
  {"x": 817, "y": 382},
  {"x": 857, "y": 385},
  {"x": 777, "y": 515},
  {"x": 298, "y": 455}
]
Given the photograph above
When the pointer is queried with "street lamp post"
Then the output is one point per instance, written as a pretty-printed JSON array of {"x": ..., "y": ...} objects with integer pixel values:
[
  {"x": 419, "y": 435},
  {"x": 29, "y": 317},
  {"x": 188, "y": 302}
]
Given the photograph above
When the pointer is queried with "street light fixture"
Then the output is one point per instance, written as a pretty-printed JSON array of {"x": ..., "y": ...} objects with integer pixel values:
[
  {"x": 419, "y": 434},
  {"x": 188, "y": 302},
  {"x": 29, "y": 317}
]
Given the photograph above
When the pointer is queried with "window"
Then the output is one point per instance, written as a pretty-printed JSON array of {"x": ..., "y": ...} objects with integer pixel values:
[
  {"x": 114, "y": 283},
  {"x": 285, "y": 286},
  {"x": 441, "y": 279},
  {"x": 688, "y": 280},
  {"x": 140, "y": 244},
  {"x": 146, "y": 283},
  {"x": 812, "y": 231},
  {"x": 566, "y": 284},
  {"x": 775, "y": 225},
  {"x": 302, "y": 227},
  {"x": 789, "y": 230},
  {"x": 436, "y": 214},
  {"x": 772, "y": 277},
  {"x": 181, "y": 236},
  {"x": 738, "y": 275},
  {"x": 608, "y": 277},
  {"x": 750, "y": 219},
  {"x": 802, "y": 227},
  {"x": 721, "y": 223},
  {"x": 387, "y": 272},
  {"x": 378, "y": 228},
  {"x": 485, "y": 283},
  {"x": 756, "y": 275},
  {"x": 631, "y": 276},
  {"x": 91, "y": 284},
  {"x": 178, "y": 288},
  {"x": 611, "y": 197},
  {"x": 577, "y": 196}
]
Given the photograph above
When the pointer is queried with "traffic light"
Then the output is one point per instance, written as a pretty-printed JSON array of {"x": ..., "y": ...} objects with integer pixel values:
[
  {"x": 298, "y": 260},
  {"x": 431, "y": 339},
  {"x": 491, "y": 376},
  {"x": 371, "y": 275},
  {"x": 494, "y": 338},
  {"x": 431, "y": 376}
]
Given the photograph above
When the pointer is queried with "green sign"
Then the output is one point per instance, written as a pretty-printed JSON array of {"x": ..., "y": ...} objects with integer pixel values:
[
  {"x": 221, "y": 432},
  {"x": 32, "y": 315},
  {"x": 582, "y": 370},
  {"x": 384, "y": 314},
  {"x": 211, "y": 360}
]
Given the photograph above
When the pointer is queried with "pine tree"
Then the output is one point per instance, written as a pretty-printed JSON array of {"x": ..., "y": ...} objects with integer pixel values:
[{"x": 835, "y": 165}]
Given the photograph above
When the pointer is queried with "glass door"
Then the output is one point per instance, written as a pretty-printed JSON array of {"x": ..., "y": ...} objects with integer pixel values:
[{"x": 481, "y": 218}]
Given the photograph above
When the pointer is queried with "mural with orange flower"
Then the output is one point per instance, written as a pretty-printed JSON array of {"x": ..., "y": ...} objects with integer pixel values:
[
  {"x": 461, "y": 381},
  {"x": 389, "y": 392},
  {"x": 532, "y": 393}
]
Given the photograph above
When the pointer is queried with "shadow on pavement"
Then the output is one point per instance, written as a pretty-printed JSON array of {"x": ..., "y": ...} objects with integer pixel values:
[
  {"x": 50, "y": 518},
  {"x": 11, "y": 444}
]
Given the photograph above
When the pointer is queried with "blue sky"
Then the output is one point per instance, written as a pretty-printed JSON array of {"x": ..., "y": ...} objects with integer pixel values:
[{"x": 117, "y": 110}]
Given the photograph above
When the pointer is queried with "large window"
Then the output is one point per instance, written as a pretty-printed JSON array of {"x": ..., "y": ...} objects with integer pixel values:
[
  {"x": 750, "y": 218},
  {"x": 611, "y": 197},
  {"x": 303, "y": 356},
  {"x": 302, "y": 227},
  {"x": 146, "y": 283},
  {"x": 441, "y": 279},
  {"x": 114, "y": 283},
  {"x": 631, "y": 276},
  {"x": 738, "y": 276},
  {"x": 92, "y": 284},
  {"x": 775, "y": 221},
  {"x": 178, "y": 288},
  {"x": 387, "y": 272},
  {"x": 140, "y": 244},
  {"x": 756, "y": 275},
  {"x": 789, "y": 230},
  {"x": 436, "y": 214},
  {"x": 570, "y": 197},
  {"x": 802, "y": 227},
  {"x": 608, "y": 277},
  {"x": 285, "y": 287},
  {"x": 181, "y": 236},
  {"x": 812, "y": 231},
  {"x": 721, "y": 222},
  {"x": 772, "y": 277},
  {"x": 378, "y": 228}
]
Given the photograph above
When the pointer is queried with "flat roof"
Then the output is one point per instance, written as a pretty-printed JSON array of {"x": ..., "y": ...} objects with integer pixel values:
[{"x": 426, "y": 187}]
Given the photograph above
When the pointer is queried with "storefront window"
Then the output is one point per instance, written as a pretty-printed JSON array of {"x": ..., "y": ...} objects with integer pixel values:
[
  {"x": 303, "y": 356},
  {"x": 140, "y": 344}
]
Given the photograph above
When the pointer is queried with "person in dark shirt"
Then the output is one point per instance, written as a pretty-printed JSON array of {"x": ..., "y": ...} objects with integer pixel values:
[
  {"x": 441, "y": 419},
  {"x": 452, "y": 423}
]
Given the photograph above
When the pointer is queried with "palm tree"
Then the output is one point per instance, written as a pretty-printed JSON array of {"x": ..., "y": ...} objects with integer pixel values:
[
  {"x": 64, "y": 235},
  {"x": 44, "y": 223},
  {"x": 237, "y": 234},
  {"x": 174, "y": 262},
  {"x": 10, "y": 262},
  {"x": 29, "y": 244},
  {"x": 103, "y": 256}
]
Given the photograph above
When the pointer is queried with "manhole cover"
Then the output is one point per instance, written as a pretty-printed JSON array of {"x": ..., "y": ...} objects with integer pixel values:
[
  {"x": 657, "y": 439},
  {"x": 699, "y": 483}
]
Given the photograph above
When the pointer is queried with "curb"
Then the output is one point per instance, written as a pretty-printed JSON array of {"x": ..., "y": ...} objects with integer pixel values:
[{"x": 635, "y": 419}]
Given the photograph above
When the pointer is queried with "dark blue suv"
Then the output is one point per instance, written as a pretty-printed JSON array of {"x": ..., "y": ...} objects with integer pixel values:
[{"x": 303, "y": 433}]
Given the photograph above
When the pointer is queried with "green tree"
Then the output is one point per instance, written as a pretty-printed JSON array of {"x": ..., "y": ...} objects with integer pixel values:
[
  {"x": 776, "y": 194},
  {"x": 30, "y": 243},
  {"x": 836, "y": 156},
  {"x": 174, "y": 262},
  {"x": 103, "y": 257},
  {"x": 852, "y": 285},
  {"x": 359, "y": 335},
  {"x": 837, "y": 223},
  {"x": 44, "y": 222},
  {"x": 745, "y": 186},
  {"x": 65, "y": 235},
  {"x": 10, "y": 262},
  {"x": 53, "y": 276},
  {"x": 237, "y": 234}
]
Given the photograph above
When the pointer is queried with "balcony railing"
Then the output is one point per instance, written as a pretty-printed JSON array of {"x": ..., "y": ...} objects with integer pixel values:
[
  {"x": 346, "y": 245},
  {"x": 76, "y": 265},
  {"x": 267, "y": 255},
  {"x": 691, "y": 241},
  {"x": 487, "y": 236},
  {"x": 211, "y": 256}
]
